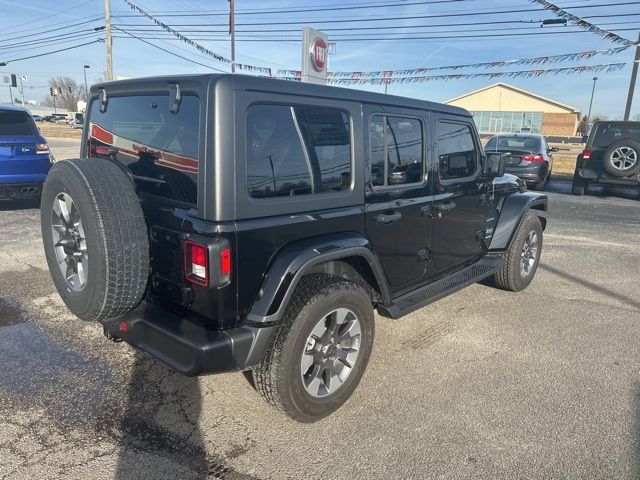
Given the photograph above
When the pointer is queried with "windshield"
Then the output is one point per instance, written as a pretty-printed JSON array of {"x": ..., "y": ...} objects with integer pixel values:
[
  {"x": 16, "y": 123},
  {"x": 529, "y": 144},
  {"x": 608, "y": 133}
]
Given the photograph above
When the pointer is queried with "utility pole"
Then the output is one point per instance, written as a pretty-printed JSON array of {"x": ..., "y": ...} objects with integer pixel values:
[
  {"x": 22, "y": 77},
  {"x": 595, "y": 79},
  {"x": 107, "y": 25},
  {"x": 11, "y": 95},
  {"x": 86, "y": 88},
  {"x": 232, "y": 31},
  {"x": 632, "y": 85}
]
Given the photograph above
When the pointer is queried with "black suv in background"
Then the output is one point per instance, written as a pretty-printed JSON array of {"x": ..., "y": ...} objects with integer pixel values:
[
  {"x": 611, "y": 157},
  {"x": 224, "y": 222}
]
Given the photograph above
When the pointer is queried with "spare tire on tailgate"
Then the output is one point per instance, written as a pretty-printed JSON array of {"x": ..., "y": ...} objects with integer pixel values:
[
  {"x": 95, "y": 238},
  {"x": 622, "y": 158}
]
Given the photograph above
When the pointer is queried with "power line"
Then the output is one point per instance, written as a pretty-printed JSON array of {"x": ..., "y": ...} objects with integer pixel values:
[
  {"x": 21, "y": 25},
  {"x": 412, "y": 17},
  {"x": 377, "y": 28},
  {"x": 371, "y": 39},
  {"x": 47, "y": 40},
  {"x": 167, "y": 51},
  {"x": 48, "y": 30},
  {"x": 54, "y": 51}
]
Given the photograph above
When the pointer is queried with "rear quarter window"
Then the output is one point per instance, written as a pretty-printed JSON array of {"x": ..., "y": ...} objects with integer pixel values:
[{"x": 159, "y": 147}]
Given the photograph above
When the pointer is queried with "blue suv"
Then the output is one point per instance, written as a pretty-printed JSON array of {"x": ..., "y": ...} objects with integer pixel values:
[{"x": 25, "y": 159}]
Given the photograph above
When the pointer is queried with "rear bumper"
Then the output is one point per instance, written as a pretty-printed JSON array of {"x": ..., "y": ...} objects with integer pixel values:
[
  {"x": 187, "y": 345},
  {"x": 24, "y": 188},
  {"x": 535, "y": 173},
  {"x": 603, "y": 177}
]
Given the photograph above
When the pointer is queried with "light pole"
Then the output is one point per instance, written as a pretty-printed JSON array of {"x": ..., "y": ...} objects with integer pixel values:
[
  {"x": 86, "y": 89},
  {"x": 595, "y": 79}
]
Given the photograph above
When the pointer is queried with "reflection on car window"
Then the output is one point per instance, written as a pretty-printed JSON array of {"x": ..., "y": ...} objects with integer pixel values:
[
  {"x": 297, "y": 151},
  {"x": 14, "y": 122},
  {"x": 396, "y": 150},
  {"x": 456, "y": 151},
  {"x": 142, "y": 133},
  {"x": 608, "y": 133}
]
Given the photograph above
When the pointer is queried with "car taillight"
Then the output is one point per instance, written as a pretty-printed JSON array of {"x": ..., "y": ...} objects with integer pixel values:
[
  {"x": 196, "y": 263},
  {"x": 102, "y": 151},
  {"x": 586, "y": 155},
  {"x": 225, "y": 265},
  {"x": 534, "y": 158},
  {"x": 42, "y": 148}
]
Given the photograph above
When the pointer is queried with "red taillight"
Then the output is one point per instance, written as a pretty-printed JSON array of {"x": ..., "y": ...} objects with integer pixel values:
[
  {"x": 586, "y": 155},
  {"x": 534, "y": 158},
  {"x": 42, "y": 148},
  {"x": 225, "y": 263},
  {"x": 196, "y": 263},
  {"x": 102, "y": 151},
  {"x": 124, "y": 328}
]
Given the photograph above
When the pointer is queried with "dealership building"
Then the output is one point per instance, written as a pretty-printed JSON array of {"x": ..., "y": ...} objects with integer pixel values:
[{"x": 503, "y": 108}]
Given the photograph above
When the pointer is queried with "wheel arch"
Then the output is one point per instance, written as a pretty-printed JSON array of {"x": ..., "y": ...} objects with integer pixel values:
[
  {"x": 513, "y": 211},
  {"x": 348, "y": 256}
]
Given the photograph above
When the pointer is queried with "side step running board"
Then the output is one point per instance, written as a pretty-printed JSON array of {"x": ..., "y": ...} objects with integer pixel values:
[{"x": 438, "y": 289}]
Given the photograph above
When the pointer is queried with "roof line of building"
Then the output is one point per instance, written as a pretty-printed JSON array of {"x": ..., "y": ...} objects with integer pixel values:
[{"x": 517, "y": 89}]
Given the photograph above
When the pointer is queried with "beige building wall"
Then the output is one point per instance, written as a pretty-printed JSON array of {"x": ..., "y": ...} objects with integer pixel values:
[{"x": 503, "y": 99}]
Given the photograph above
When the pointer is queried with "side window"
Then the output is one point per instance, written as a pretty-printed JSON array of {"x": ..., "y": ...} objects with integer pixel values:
[
  {"x": 396, "y": 146},
  {"x": 457, "y": 153},
  {"x": 295, "y": 151}
]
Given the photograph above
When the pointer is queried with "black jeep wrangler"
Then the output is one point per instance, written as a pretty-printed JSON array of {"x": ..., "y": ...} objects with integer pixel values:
[
  {"x": 225, "y": 222},
  {"x": 610, "y": 157}
]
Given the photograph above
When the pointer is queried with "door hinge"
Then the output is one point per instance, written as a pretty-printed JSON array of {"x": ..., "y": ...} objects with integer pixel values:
[{"x": 424, "y": 255}]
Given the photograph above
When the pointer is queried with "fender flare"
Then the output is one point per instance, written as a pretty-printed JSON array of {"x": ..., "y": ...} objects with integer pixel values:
[
  {"x": 513, "y": 210},
  {"x": 295, "y": 260}
]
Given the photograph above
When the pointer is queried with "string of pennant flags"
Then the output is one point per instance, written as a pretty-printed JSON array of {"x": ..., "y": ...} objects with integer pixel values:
[
  {"x": 583, "y": 24},
  {"x": 382, "y": 80},
  {"x": 197, "y": 46},
  {"x": 500, "y": 63}
]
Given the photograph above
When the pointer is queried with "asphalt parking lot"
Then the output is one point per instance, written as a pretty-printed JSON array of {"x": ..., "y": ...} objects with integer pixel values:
[{"x": 483, "y": 384}]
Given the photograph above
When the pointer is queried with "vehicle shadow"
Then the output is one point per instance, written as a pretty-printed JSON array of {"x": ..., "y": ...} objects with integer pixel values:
[
  {"x": 557, "y": 185},
  {"x": 160, "y": 418},
  {"x": 8, "y": 205},
  {"x": 632, "y": 302}
]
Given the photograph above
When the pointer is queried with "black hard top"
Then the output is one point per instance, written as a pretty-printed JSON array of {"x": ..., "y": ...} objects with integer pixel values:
[{"x": 248, "y": 82}]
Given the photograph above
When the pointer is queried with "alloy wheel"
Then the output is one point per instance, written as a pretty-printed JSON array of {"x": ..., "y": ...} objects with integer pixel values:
[
  {"x": 331, "y": 352},
  {"x": 624, "y": 158},
  {"x": 69, "y": 242},
  {"x": 529, "y": 254}
]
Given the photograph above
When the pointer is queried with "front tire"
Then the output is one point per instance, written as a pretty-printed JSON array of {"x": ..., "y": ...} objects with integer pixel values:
[
  {"x": 320, "y": 351},
  {"x": 522, "y": 258}
]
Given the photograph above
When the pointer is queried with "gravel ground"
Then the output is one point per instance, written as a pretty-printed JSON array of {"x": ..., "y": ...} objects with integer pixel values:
[{"x": 483, "y": 384}]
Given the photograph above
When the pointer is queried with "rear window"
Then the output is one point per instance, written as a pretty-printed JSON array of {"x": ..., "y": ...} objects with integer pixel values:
[
  {"x": 17, "y": 123},
  {"x": 608, "y": 133},
  {"x": 523, "y": 143},
  {"x": 159, "y": 147}
]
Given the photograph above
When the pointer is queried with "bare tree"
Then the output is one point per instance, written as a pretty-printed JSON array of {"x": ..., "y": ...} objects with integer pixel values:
[
  {"x": 583, "y": 127},
  {"x": 68, "y": 93},
  {"x": 636, "y": 117}
]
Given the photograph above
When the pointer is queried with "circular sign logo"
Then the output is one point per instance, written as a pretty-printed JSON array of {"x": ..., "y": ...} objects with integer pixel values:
[{"x": 318, "y": 54}]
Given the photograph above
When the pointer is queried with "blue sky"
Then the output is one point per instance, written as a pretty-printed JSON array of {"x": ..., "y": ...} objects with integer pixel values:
[{"x": 133, "y": 58}]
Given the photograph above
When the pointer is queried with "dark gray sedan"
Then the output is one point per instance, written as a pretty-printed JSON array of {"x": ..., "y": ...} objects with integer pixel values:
[{"x": 528, "y": 156}]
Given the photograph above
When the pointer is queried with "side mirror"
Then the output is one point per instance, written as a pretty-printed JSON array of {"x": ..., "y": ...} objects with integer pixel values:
[
  {"x": 554, "y": 149},
  {"x": 495, "y": 164}
]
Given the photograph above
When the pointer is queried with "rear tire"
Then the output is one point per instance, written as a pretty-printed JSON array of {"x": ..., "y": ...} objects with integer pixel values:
[
  {"x": 521, "y": 262},
  {"x": 95, "y": 238},
  {"x": 578, "y": 186},
  {"x": 304, "y": 336}
]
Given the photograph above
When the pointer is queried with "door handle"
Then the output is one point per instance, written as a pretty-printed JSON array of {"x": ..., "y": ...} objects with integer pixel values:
[{"x": 388, "y": 217}]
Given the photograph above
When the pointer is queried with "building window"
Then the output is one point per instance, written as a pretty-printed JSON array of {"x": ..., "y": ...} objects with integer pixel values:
[
  {"x": 295, "y": 151},
  {"x": 396, "y": 150},
  {"x": 508, "y": 122}
]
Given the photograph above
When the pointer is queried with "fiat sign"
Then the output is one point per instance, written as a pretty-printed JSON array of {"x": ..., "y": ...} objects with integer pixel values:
[
  {"x": 315, "y": 56},
  {"x": 318, "y": 54}
]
